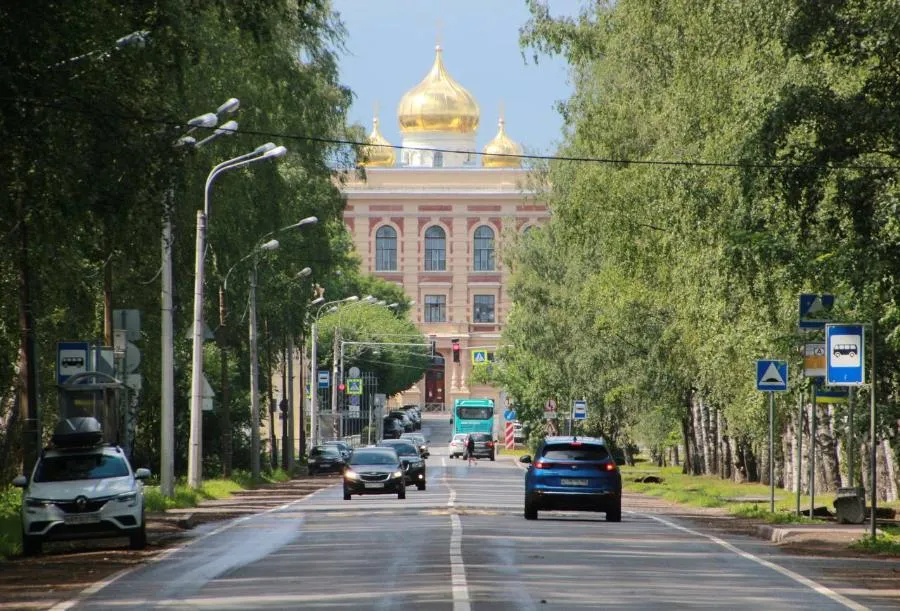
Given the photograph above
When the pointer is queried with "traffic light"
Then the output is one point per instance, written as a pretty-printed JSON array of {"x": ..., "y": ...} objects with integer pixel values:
[
  {"x": 341, "y": 387},
  {"x": 455, "y": 350}
]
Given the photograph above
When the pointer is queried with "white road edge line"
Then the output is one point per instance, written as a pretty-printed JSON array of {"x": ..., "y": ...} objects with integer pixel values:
[
  {"x": 817, "y": 587},
  {"x": 452, "y": 500},
  {"x": 100, "y": 585}
]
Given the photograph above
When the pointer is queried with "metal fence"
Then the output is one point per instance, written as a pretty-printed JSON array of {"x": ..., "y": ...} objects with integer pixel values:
[{"x": 357, "y": 419}]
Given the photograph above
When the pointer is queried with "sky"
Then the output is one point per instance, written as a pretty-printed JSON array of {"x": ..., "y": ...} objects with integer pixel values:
[{"x": 390, "y": 48}]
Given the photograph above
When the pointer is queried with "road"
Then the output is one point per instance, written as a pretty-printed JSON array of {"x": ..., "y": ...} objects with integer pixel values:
[{"x": 463, "y": 544}]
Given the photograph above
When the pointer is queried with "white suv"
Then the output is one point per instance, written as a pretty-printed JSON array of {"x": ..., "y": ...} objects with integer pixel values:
[{"x": 82, "y": 493}]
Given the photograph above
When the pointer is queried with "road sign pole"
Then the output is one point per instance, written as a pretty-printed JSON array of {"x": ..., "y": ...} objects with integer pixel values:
[
  {"x": 771, "y": 452},
  {"x": 850, "y": 437},
  {"x": 812, "y": 451},
  {"x": 799, "y": 436},
  {"x": 874, "y": 460}
]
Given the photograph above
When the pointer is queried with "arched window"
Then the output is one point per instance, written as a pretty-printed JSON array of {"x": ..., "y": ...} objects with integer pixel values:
[
  {"x": 484, "y": 249},
  {"x": 386, "y": 249},
  {"x": 435, "y": 249}
]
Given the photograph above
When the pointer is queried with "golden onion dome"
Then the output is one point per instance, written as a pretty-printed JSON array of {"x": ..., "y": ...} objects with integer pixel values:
[
  {"x": 495, "y": 151},
  {"x": 438, "y": 104},
  {"x": 378, "y": 153}
]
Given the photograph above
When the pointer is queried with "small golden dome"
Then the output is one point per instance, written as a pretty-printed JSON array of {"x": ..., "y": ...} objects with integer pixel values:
[
  {"x": 438, "y": 104},
  {"x": 378, "y": 153},
  {"x": 501, "y": 145}
]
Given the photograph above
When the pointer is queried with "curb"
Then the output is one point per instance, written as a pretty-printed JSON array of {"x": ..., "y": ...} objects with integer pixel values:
[{"x": 812, "y": 533}]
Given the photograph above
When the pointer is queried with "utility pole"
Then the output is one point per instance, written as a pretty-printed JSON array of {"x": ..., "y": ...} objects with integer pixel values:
[
  {"x": 224, "y": 405},
  {"x": 254, "y": 382},
  {"x": 313, "y": 387},
  {"x": 288, "y": 440},
  {"x": 334, "y": 383}
]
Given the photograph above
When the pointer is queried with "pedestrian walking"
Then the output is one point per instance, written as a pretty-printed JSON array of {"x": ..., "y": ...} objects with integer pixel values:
[{"x": 470, "y": 449}]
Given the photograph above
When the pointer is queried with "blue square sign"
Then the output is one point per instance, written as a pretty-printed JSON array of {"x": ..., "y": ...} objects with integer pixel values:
[
  {"x": 845, "y": 362},
  {"x": 324, "y": 378},
  {"x": 771, "y": 375}
]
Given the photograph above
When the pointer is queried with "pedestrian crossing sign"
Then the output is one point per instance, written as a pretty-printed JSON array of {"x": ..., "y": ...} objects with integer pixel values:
[
  {"x": 354, "y": 386},
  {"x": 479, "y": 357}
]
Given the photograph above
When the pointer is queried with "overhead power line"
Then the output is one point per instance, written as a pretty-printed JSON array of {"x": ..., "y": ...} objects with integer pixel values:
[{"x": 570, "y": 158}]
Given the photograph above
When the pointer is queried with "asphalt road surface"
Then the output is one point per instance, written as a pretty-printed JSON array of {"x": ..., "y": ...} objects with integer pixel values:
[{"x": 463, "y": 544}]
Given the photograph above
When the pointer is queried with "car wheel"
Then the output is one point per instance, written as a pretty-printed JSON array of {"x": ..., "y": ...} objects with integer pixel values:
[
  {"x": 420, "y": 485},
  {"x": 31, "y": 546},
  {"x": 401, "y": 494},
  {"x": 346, "y": 495},
  {"x": 614, "y": 513},
  {"x": 530, "y": 510},
  {"x": 138, "y": 540}
]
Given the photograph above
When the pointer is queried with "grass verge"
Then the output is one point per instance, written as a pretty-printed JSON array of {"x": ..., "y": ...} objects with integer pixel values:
[
  {"x": 887, "y": 544},
  {"x": 11, "y": 502}
]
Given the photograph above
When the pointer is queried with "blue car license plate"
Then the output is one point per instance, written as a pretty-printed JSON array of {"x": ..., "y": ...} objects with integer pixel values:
[{"x": 563, "y": 481}]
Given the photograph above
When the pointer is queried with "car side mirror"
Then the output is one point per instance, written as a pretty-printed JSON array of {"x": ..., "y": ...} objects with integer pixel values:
[
  {"x": 20, "y": 481},
  {"x": 525, "y": 459},
  {"x": 142, "y": 474}
]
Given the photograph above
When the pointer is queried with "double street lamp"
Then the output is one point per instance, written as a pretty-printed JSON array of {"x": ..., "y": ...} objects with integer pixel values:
[{"x": 261, "y": 153}]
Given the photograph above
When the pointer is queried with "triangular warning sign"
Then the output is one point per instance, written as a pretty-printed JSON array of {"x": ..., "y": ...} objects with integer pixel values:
[{"x": 772, "y": 376}]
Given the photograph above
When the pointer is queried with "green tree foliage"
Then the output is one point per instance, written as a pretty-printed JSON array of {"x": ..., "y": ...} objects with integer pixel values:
[
  {"x": 88, "y": 162},
  {"x": 655, "y": 284}
]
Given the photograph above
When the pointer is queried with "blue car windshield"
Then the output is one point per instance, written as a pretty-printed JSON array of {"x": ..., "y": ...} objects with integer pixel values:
[{"x": 575, "y": 451}]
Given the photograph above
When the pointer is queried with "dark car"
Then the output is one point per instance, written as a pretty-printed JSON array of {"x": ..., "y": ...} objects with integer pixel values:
[
  {"x": 413, "y": 464},
  {"x": 374, "y": 471},
  {"x": 420, "y": 441},
  {"x": 393, "y": 428},
  {"x": 484, "y": 445},
  {"x": 399, "y": 414},
  {"x": 343, "y": 447},
  {"x": 572, "y": 473},
  {"x": 325, "y": 459}
]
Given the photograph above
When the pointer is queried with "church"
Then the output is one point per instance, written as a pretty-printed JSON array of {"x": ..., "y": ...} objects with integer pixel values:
[{"x": 432, "y": 216}]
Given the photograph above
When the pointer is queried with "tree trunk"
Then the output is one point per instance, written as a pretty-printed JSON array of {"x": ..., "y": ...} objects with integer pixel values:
[
  {"x": 699, "y": 420},
  {"x": 890, "y": 471},
  {"x": 827, "y": 465},
  {"x": 738, "y": 468},
  {"x": 686, "y": 436},
  {"x": 750, "y": 461}
]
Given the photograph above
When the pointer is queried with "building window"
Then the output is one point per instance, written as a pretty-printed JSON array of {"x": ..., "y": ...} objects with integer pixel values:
[
  {"x": 439, "y": 159},
  {"x": 435, "y": 249},
  {"x": 484, "y": 308},
  {"x": 484, "y": 249},
  {"x": 386, "y": 249},
  {"x": 435, "y": 308}
]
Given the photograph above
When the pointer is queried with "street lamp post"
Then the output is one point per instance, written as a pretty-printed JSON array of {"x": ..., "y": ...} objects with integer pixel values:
[
  {"x": 266, "y": 151},
  {"x": 313, "y": 377},
  {"x": 262, "y": 246},
  {"x": 339, "y": 374},
  {"x": 167, "y": 352}
]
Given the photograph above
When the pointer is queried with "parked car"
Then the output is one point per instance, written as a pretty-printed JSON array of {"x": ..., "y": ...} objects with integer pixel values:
[
  {"x": 345, "y": 448},
  {"x": 457, "y": 445},
  {"x": 405, "y": 421},
  {"x": 484, "y": 445},
  {"x": 413, "y": 464},
  {"x": 326, "y": 458},
  {"x": 374, "y": 471},
  {"x": 81, "y": 488},
  {"x": 572, "y": 473},
  {"x": 420, "y": 441},
  {"x": 393, "y": 428}
]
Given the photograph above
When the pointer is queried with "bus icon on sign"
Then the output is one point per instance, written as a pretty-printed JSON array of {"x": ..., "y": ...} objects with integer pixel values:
[{"x": 850, "y": 350}]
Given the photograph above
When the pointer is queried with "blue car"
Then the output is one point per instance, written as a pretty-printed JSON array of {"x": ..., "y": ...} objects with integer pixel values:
[{"x": 573, "y": 473}]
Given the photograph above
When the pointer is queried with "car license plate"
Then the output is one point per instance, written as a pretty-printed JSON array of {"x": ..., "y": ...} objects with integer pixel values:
[
  {"x": 374, "y": 485},
  {"x": 81, "y": 518},
  {"x": 573, "y": 482}
]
